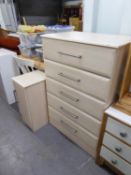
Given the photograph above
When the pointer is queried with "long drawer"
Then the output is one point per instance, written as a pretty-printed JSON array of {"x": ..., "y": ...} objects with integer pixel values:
[
  {"x": 84, "y": 120},
  {"x": 73, "y": 131},
  {"x": 95, "y": 59},
  {"x": 119, "y": 130},
  {"x": 117, "y": 146},
  {"x": 92, "y": 84},
  {"x": 84, "y": 102},
  {"x": 116, "y": 161}
]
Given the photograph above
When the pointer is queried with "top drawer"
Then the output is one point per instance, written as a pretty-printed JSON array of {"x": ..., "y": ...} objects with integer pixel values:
[
  {"x": 119, "y": 130},
  {"x": 95, "y": 59}
]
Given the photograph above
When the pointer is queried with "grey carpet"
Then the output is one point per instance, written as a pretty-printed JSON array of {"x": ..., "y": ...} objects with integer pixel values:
[{"x": 46, "y": 152}]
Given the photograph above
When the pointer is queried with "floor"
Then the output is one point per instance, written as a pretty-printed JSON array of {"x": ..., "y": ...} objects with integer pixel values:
[{"x": 46, "y": 152}]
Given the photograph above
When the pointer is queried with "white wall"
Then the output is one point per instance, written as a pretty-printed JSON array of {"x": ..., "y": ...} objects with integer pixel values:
[
  {"x": 107, "y": 16},
  {"x": 1, "y": 20}
]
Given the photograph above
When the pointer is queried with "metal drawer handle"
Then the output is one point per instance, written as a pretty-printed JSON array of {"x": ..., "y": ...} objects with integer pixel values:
[
  {"x": 123, "y": 134},
  {"x": 118, "y": 149},
  {"x": 69, "y": 97},
  {"x": 74, "y": 131},
  {"x": 113, "y": 161},
  {"x": 70, "y": 78},
  {"x": 67, "y": 54},
  {"x": 69, "y": 113}
]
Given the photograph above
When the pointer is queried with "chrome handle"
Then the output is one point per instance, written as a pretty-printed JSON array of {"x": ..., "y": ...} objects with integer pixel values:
[
  {"x": 69, "y": 113},
  {"x": 118, "y": 149},
  {"x": 67, "y": 54},
  {"x": 68, "y": 96},
  {"x": 113, "y": 161},
  {"x": 68, "y": 77},
  {"x": 123, "y": 134},
  {"x": 74, "y": 131}
]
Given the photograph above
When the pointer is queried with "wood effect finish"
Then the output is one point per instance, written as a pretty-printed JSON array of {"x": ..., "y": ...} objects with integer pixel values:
[
  {"x": 99, "y": 160},
  {"x": 126, "y": 82},
  {"x": 80, "y": 80},
  {"x": 94, "y": 54},
  {"x": 73, "y": 131},
  {"x": 94, "y": 39},
  {"x": 79, "y": 117},
  {"x": 124, "y": 104},
  {"x": 76, "y": 98},
  {"x": 91, "y": 56},
  {"x": 32, "y": 100}
]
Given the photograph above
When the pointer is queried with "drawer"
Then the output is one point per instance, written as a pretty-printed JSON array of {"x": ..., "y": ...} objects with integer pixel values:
[
  {"x": 100, "y": 60},
  {"x": 84, "y": 102},
  {"x": 116, "y": 161},
  {"x": 73, "y": 131},
  {"x": 89, "y": 83},
  {"x": 119, "y": 130},
  {"x": 84, "y": 120},
  {"x": 117, "y": 146}
]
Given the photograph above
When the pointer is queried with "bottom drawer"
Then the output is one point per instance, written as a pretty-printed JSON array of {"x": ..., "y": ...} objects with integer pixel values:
[
  {"x": 79, "y": 135},
  {"x": 116, "y": 161}
]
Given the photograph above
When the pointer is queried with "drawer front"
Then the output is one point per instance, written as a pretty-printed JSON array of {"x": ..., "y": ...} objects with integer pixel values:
[
  {"x": 89, "y": 83},
  {"x": 71, "y": 130},
  {"x": 77, "y": 116},
  {"x": 116, "y": 161},
  {"x": 95, "y": 59},
  {"x": 76, "y": 98},
  {"x": 117, "y": 146},
  {"x": 119, "y": 130}
]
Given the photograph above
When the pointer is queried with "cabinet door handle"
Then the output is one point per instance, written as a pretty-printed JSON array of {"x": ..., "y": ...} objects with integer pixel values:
[
  {"x": 69, "y": 113},
  {"x": 69, "y": 96},
  {"x": 72, "y": 130},
  {"x": 113, "y": 161},
  {"x": 118, "y": 149},
  {"x": 68, "y": 77},
  {"x": 67, "y": 54},
  {"x": 15, "y": 96},
  {"x": 123, "y": 134}
]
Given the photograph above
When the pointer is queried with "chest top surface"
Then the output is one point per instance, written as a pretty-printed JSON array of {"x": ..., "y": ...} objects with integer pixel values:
[
  {"x": 118, "y": 115},
  {"x": 103, "y": 40}
]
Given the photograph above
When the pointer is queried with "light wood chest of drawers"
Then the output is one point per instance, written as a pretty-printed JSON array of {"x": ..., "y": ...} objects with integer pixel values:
[{"x": 83, "y": 72}]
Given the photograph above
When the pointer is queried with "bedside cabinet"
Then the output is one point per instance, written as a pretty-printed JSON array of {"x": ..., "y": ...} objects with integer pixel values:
[
  {"x": 114, "y": 146},
  {"x": 31, "y": 97}
]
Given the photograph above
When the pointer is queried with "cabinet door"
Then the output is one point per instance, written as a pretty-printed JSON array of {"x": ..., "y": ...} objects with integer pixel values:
[
  {"x": 22, "y": 103},
  {"x": 37, "y": 105}
]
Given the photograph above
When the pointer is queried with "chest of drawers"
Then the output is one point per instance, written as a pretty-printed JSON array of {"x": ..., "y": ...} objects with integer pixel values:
[
  {"x": 115, "y": 148},
  {"x": 83, "y": 72}
]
